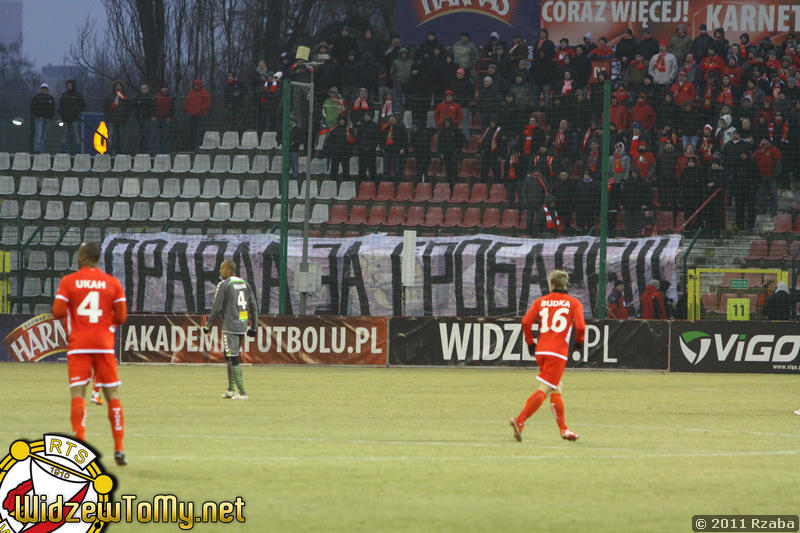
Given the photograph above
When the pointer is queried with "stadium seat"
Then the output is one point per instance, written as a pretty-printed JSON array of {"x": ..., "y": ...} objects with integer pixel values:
[
  {"x": 783, "y": 223},
  {"x": 664, "y": 222},
  {"x": 358, "y": 215},
  {"x": 49, "y": 236},
  {"x": 120, "y": 212},
  {"x": 102, "y": 163},
  {"x": 130, "y": 188},
  {"x": 93, "y": 234},
  {"x": 230, "y": 140},
  {"x": 202, "y": 164},
  {"x": 82, "y": 163},
  {"x": 396, "y": 216},
  {"x": 260, "y": 165},
  {"x": 796, "y": 226},
  {"x": 72, "y": 237},
  {"x": 140, "y": 212},
  {"x": 122, "y": 164},
  {"x": 54, "y": 211},
  {"x": 5, "y": 161},
  {"x": 793, "y": 250},
  {"x": 28, "y": 186},
  {"x": 510, "y": 219},
  {"x": 434, "y": 217},
  {"x": 201, "y": 212},
  {"x": 50, "y": 187},
  {"x": 222, "y": 212},
  {"x": 777, "y": 251},
  {"x": 36, "y": 261},
  {"x": 472, "y": 145},
  {"x": 270, "y": 190},
  {"x": 414, "y": 217},
  {"x": 100, "y": 211},
  {"x": 469, "y": 168},
  {"x": 151, "y": 188},
  {"x": 313, "y": 190},
  {"x": 250, "y": 189},
  {"x": 61, "y": 163},
  {"x": 160, "y": 213},
  {"x": 31, "y": 210},
  {"x": 435, "y": 168},
  {"x": 479, "y": 193},
  {"x": 181, "y": 212},
  {"x": 241, "y": 164},
  {"x": 182, "y": 164},
  {"x": 366, "y": 191},
  {"x": 210, "y": 140},
  {"x": 9, "y": 236},
  {"x": 241, "y": 212},
  {"x": 377, "y": 215},
  {"x": 410, "y": 170},
  {"x": 260, "y": 212},
  {"x": 405, "y": 192},
  {"x": 90, "y": 188},
  {"x": 347, "y": 191},
  {"x": 276, "y": 165},
  {"x": 327, "y": 190},
  {"x": 171, "y": 188},
  {"x": 211, "y": 189},
  {"x": 32, "y": 287},
  {"x": 423, "y": 193},
  {"x": 491, "y": 217},
  {"x": 318, "y": 166},
  {"x": 385, "y": 191},
  {"x": 298, "y": 214},
  {"x": 222, "y": 164},
  {"x": 319, "y": 214},
  {"x": 460, "y": 193},
  {"x": 294, "y": 190},
  {"x": 70, "y": 187},
  {"x": 472, "y": 218},
  {"x": 6, "y": 186},
  {"x": 191, "y": 188},
  {"x": 22, "y": 162},
  {"x": 441, "y": 193},
  {"x": 452, "y": 217},
  {"x": 268, "y": 140},
  {"x": 249, "y": 140},
  {"x": 275, "y": 215},
  {"x": 758, "y": 250},
  {"x": 161, "y": 163},
  {"x": 230, "y": 189},
  {"x": 141, "y": 163},
  {"x": 338, "y": 214},
  {"x": 41, "y": 163},
  {"x": 110, "y": 188}
]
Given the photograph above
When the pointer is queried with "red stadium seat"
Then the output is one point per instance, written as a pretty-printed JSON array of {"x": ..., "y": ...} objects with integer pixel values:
[
  {"x": 497, "y": 194},
  {"x": 415, "y": 216},
  {"x": 441, "y": 193},
  {"x": 366, "y": 191},
  {"x": 664, "y": 222},
  {"x": 358, "y": 215},
  {"x": 783, "y": 223},
  {"x": 796, "y": 227},
  {"x": 491, "y": 217},
  {"x": 434, "y": 217},
  {"x": 377, "y": 215},
  {"x": 793, "y": 250},
  {"x": 410, "y": 170},
  {"x": 338, "y": 214},
  {"x": 469, "y": 168},
  {"x": 385, "y": 191},
  {"x": 435, "y": 167},
  {"x": 452, "y": 217},
  {"x": 709, "y": 302},
  {"x": 460, "y": 193},
  {"x": 405, "y": 192},
  {"x": 472, "y": 218},
  {"x": 397, "y": 215},
  {"x": 472, "y": 145},
  {"x": 777, "y": 251},
  {"x": 479, "y": 193},
  {"x": 424, "y": 192},
  {"x": 680, "y": 218},
  {"x": 314, "y": 233},
  {"x": 510, "y": 219},
  {"x": 758, "y": 250}
]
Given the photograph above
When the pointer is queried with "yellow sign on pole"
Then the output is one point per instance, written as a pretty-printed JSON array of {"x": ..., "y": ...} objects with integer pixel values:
[{"x": 738, "y": 309}]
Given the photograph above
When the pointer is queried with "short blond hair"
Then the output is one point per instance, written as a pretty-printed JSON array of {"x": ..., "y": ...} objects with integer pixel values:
[{"x": 559, "y": 280}]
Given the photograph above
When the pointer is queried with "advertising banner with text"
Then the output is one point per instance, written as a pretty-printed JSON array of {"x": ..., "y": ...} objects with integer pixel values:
[
  {"x": 32, "y": 338},
  {"x": 500, "y": 342},
  {"x": 323, "y": 340}
]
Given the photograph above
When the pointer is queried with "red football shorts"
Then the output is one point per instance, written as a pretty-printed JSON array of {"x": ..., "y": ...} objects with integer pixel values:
[
  {"x": 104, "y": 365},
  {"x": 551, "y": 368}
]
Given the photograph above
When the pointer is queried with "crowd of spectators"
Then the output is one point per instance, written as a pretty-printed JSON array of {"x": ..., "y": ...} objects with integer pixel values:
[{"x": 701, "y": 120}]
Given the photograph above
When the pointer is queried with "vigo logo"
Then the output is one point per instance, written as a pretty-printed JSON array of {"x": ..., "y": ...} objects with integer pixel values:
[{"x": 690, "y": 355}]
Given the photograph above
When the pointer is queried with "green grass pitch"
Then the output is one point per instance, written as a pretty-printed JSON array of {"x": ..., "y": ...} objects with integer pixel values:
[{"x": 363, "y": 449}]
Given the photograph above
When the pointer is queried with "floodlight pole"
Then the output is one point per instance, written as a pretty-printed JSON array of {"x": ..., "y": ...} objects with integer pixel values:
[{"x": 601, "y": 271}]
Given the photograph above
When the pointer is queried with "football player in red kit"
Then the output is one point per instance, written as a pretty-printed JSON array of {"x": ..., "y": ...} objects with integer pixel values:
[
  {"x": 93, "y": 304},
  {"x": 555, "y": 313}
]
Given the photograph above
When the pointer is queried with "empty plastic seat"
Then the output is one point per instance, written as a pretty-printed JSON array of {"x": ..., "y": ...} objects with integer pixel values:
[
  {"x": 396, "y": 216},
  {"x": 415, "y": 216},
  {"x": 28, "y": 186},
  {"x": 41, "y": 162},
  {"x": 50, "y": 187},
  {"x": 54, "y": 210},
  {"x": 385, "y": 191},
  {"x": 140, "y": 212},
  {"x": 354, "y": 166},
  {"x": 141, "y": 163},
  {"x": 222, "y": 212},
  {"x": 249, "y": 140},
  {"x": 6, "y": 186},
  {"x": 777, "y": 251},
  {"x": 510, "y": 219},
  {"x": 82, "y": 163},
  {"x": 313, "y": 192},
  {"x": 202, "y": 164},
  {"x": 5, "y": 161},
  {"x": 338, "y": 214},
  {"x": 366, "y": 191},
  {"x": 72, "y": 237},
  {"x": 22, "y": 162},
  {"x": 260, "y": 165},
  {"x": 180, "y": 212},
  {"x": 211, "y": 189},
  {"x": 241, "y": 212},
  {"x": 93, "y": 234},
  {"x": 358, "y": 215},
  {"x": 469, "y": 168},
  {"x": 211, "y": 140},
  {"x": 460, "y": 193},
  {"x": 31, "y": 210},
  {"x": 268, "y": 140},
  {"x": 160, "y": 213},
  {"x": 110, "y": 188},
  {"x": 90, "y": 187},
  {"x": 250, "y": 189},
  {"x": 230, "y": 140},
  {"x": 101, "y": 211},
  {"x": 441, "y": 193},
  {"x": 122, "y": 163},
  {"x": 70, "y": 187},
  {"x": 9, "y": 236},
  {"x": 434, "y": 217},
  {"x": 294, "y": 190},
  {"x": 472, "y": 218},
  {"x": 240, "y": 165},
  {"x": 497, "y": 194},
  {"x": 423, "y": 193},
  {"x": 783, "y": 223},
  {"x": 161, "y": 163},
  {"x": 270, "y": 190},
  {"x": 298, "y": 214},
  {"x": 171, "y": 188},
  {"x": 182, "y": 164},
  {"x": 758, "y": 250},
  {"x": 327, "y": 190},
  {"x": 102, "y": 163},
  {"x": 151, "y": 188},
  {"x": 318, "y": 166},
  {"x": 319, "y": 214},
  {"x": 222, "y": 164},
  {"x": 276, "y": 166},
  {"x": 32, "y": 287},
  {"x": 347, "y": 191},
  {"x": 404, "y": 193},
  {"x": 190, "y": 189},
  {"x": 120, "y": 212},
  {"x": 78, "y": 211},
  {"x": 452, "y": 217},
  {"x": 61, "y": 163},
  {"x": 130, "y": 188},
  {"x": 9, "y": 209},
  {"x": 37, "y": 260},
  {"x": 260, "y": 212},
  {"x": 491, "y": 217},
  {"x": 478, "y": 194},
  {"x": 275, "y": 215},
  {"x": 376, "y": 216},
  {"x": 230, "y": 189}
]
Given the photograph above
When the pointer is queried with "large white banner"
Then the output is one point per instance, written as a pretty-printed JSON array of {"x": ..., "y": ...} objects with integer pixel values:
[{"x": 480, "y": 275}]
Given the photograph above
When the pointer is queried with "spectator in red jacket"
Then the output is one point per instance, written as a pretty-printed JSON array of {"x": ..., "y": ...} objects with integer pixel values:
[
  {"x": 682, "y": 90},
  {"x": 644, "y": 161},
  {"x": 652, "y": 302},
  {"x": 448, "y": 108},
  {"x": 712, "y": 63},
  {"x": 768, "y": 158},
  {"x": 197, "y": 104},
  {"x": 643, "y": 113},
  {"x": 618, "y": 114},
  {"x": 617, "y": 307}
]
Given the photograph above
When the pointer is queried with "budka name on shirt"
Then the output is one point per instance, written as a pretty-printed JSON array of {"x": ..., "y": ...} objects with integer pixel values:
[
  {"x": 89, "y": 284},
  {"x": 555, "y": 303}
]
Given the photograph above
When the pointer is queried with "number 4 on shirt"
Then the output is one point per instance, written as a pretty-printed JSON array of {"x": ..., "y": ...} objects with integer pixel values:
[{"x": 90, "y": 306}]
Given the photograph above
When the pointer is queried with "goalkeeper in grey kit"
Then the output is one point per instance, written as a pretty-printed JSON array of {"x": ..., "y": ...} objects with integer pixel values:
[{"x": 235, "y": 301}]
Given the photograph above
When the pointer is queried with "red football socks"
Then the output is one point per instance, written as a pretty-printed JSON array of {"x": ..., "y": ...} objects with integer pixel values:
[
  {"x": 117, "y": 422},
  {"x": 77, "y": 416},
  {"x": 534, "y": 402},
  {"x": 558, "y": 410}
]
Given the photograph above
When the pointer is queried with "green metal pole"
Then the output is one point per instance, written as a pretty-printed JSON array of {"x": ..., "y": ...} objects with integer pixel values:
[
  {"x": 283, "y": 288},
  {"x": 601, "y": 274}
]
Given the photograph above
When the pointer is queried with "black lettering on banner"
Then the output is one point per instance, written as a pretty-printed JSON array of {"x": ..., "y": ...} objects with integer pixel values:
[
  {"x": 127, "y": 259},
  {"x": 655, "y": 259},
  {"x": 244, "y": 265},
  {"x": 156, "y": 271},
  {"x": 270, "y": 279},
  {"x": 493, "y": 271},
  {"x": 331, "y": 279},
  {"x": 576, "y": 274},
  {"x": 592, "y": 275},
  {"x": 206, "y": 275},
  {"x": 178, "y": 272},
  {"x": 625, "y": 267},
  {"x": 351, "y": 261},
  {"x": 428, "y": 279},
  {"x": 480, "y": 275},
  {"x": 641, "y": 258},
  {"x": 529, "y": 278},
  {"x": 397, "y": 280}
]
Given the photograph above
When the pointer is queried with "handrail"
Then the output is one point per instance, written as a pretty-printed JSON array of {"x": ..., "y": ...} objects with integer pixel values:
[{"x": 710, "y": 197}]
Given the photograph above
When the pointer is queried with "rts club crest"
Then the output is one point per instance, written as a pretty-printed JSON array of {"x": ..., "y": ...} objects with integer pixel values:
[{"x": 53, "y": 484}]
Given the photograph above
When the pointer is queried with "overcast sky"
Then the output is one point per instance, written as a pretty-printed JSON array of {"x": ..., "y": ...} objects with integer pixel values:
[{"x": 50, "y": 26}]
